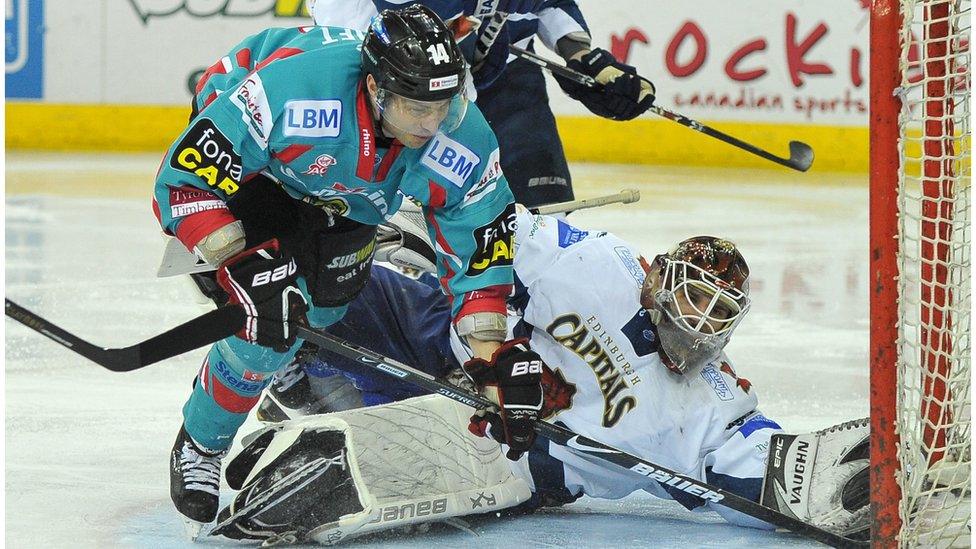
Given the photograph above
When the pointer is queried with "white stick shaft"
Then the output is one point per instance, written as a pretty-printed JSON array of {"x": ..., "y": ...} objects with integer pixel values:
[{"x": 625, "y": 196}]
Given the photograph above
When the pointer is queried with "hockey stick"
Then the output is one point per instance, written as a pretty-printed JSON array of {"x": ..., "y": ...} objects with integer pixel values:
[
  {"x": 625, "y": 196},
  {"x": 587, "y": 446},
  {"x": 200, "y": 331},
  {"x": 487, "y": 39},
  {"x": 801, "y": 155}
]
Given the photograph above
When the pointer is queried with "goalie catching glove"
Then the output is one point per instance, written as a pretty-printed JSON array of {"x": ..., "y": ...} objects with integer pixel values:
[
  {"x": 264, "y": 282},
  {"x": 621, "y": 94},
  {"x": 512, "y": 379},
  {"x": 822, "y": 478},
  {"x": 403, "y": 240}
]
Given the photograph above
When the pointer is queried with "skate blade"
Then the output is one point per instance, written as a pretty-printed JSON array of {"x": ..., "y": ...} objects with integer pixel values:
[{"x": 192, "y": 528}]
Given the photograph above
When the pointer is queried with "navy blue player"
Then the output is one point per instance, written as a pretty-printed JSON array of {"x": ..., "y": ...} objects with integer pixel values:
[{"x": 512, "y": 92}]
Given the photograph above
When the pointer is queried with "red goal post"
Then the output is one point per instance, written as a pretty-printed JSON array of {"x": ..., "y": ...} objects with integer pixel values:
[{"x": 921, "y": 244}]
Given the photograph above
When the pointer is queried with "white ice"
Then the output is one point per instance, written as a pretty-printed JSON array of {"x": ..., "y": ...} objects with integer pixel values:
[{"x": 87, "y": 449}]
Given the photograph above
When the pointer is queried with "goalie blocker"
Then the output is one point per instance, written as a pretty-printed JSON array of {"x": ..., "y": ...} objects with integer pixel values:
[{"x": 822, "y": 478}]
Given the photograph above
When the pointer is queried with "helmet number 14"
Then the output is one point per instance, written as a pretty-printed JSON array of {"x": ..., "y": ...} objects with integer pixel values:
[{"x": 438, "y": 54}]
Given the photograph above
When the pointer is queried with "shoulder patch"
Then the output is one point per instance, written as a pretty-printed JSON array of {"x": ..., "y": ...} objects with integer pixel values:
[
  {"x": 717, "y": 382},
  {"x": 207, "y": 153},
  {"x": 487, "y": 182},
  {"x": 494, "y": 243},
  {"x": 640, "y": 333},
  {"x": 313, "y": 118},
  {"x": 251, "y": 99},
  {"x": 630, "y": 263},
  {"x": 569, "y": 235},
  {"x": 450, "y": 159}
]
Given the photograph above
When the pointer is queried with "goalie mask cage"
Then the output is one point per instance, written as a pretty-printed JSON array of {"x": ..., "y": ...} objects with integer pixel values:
[{"x": 920, "y": 273}]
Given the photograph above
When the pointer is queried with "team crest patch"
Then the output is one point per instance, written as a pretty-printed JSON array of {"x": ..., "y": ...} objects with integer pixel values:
[{"x": 321, "y": 165}]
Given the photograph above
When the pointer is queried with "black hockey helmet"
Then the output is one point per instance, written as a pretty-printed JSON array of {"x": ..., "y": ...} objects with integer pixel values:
[{"x": 411, "y": 53}]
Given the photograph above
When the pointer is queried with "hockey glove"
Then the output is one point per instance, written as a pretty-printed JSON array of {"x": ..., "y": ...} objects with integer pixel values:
[
  {"x": 491, "y": 67},
  {"x": 482, "y": 8},
  {"x": 512, "y": 379},
  {"x": 622, "y": 94},
  {"x": 264, "y": 282}
]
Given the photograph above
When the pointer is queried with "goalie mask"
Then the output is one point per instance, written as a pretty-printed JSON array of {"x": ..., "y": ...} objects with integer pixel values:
[{"x": 696, "y": 295}]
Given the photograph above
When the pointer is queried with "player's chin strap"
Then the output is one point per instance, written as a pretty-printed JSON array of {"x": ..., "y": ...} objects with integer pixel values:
[{"x": 580, "y": 444}]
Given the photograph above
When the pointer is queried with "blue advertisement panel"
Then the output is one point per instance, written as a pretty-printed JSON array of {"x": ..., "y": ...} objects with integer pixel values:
[{"x": 25, "y": 49}]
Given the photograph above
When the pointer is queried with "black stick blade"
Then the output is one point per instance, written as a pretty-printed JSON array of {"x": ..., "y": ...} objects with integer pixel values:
[
  {"x": 801, "y": 156},
  {"x": 200, "y": 331}
]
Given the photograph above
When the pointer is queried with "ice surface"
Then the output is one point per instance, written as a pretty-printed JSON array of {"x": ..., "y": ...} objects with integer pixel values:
[{"x": 87, "y": 449}]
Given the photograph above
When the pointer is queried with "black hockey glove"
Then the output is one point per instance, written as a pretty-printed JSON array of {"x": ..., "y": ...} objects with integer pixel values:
[
  {"x": 621, "y": 95},
  {"x": 493, "y": 65},
  {"x": 263, "y": 281},
  {"x": 513, "y": 380},
  {"x": 481, "y": 8}
]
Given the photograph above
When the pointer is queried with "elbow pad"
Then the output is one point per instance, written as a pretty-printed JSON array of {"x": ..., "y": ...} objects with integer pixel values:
[{"x": 222, "y": 244}]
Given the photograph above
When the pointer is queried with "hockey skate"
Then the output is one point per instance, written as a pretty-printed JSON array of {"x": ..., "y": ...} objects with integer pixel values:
[{"x": 194, "y": 482}]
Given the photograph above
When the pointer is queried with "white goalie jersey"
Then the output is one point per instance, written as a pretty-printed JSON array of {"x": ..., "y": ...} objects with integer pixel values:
[{"x": 577, "y": 300}]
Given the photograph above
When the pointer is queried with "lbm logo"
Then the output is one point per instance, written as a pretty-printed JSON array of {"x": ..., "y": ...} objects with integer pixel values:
[{"x": 313, "y": 118}]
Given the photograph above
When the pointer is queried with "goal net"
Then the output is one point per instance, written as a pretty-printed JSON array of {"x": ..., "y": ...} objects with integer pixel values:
[{"x": 921, "y": 279}]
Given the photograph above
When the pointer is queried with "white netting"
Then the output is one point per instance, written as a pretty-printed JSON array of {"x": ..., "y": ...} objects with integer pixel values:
[{"x": 935, "y": 241}]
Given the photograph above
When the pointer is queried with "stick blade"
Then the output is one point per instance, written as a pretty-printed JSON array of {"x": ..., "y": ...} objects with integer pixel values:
[{"x": 801, "y": 156}]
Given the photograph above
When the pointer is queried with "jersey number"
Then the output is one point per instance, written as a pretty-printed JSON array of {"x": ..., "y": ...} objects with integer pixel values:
[{"x": 438, "y": 54}]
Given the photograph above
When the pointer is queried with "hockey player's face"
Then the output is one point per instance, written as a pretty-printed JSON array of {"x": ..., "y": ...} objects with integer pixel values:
[
  {"x": 414, "y": 122},
  {"x": 695, "y": 305}
]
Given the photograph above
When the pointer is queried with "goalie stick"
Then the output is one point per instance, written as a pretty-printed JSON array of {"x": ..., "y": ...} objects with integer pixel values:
[
  {"x": 587, "y": 446},
  {"x": 625, "y": 196},
  {"x": 801, "y": 154},
  {"x": 202, "y": 330}
]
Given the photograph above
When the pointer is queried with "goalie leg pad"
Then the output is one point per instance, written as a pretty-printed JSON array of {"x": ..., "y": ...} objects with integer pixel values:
[
  {"x": 301, "y": 482},
  {"x": 410, "y": 462},
  {"x": 822, "y": 478}
]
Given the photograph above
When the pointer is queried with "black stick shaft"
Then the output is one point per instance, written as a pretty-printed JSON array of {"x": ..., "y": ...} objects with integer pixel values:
[
  {"x": 200, "y": 331},
  {"x": 579, "y": 443},
  {"x": 801, "y": 155}
]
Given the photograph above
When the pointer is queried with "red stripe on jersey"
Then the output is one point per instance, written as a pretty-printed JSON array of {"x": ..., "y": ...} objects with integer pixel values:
[
  {"x": 243, "y": 58},
  {"x": 490, "y": 299},
  {"x": 438, "y": 196},
  {"x": 226, "y": 398},
  {"x": 209, "y": 99},
  {"x": 155, "y": 208},
  {"x": 194, "y": 228},
  {"x": 279, "y": 53},
  {"x": 216, "y": 68},
  {"x": 367, "y": 141},
  {"x": 291, "y": 152},
  {"x": 388, "y": 160},
  {"x": 439, "y": 237}
]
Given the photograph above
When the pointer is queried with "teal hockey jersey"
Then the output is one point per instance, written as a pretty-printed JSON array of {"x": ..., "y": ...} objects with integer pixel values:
[{"x": 290, "y": 103}]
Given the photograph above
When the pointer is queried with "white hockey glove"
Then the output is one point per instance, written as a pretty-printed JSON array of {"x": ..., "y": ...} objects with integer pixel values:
[
  {"x": 822, "y": 478},
  {"x": 403, "y": 240}
]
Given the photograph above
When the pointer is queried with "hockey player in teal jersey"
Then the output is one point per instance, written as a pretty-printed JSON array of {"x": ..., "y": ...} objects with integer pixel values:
[{"x": 329, "y": 131}]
